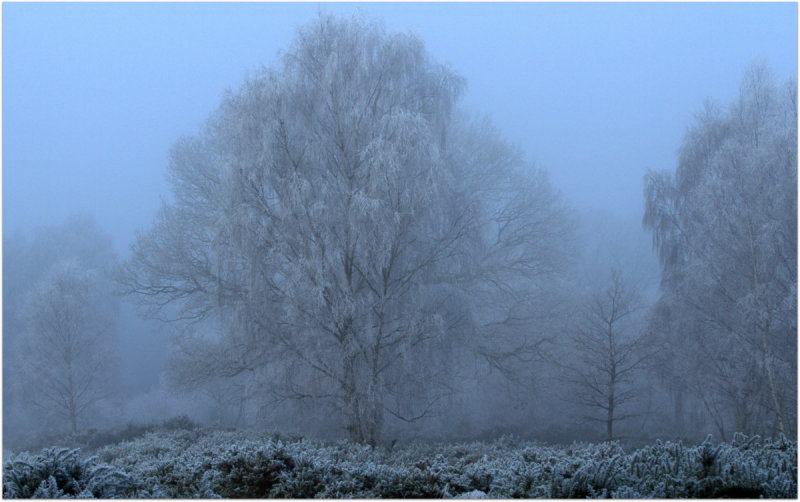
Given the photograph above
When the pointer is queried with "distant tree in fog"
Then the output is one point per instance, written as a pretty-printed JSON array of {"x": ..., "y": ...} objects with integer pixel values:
[
  {"x": 68, "y": 346},
  {"x": 28, "y": 256},
  {"x": 725, "y": 228},
  {"x": 340, "y": 232},
  {"x": 609, "y": 352}
]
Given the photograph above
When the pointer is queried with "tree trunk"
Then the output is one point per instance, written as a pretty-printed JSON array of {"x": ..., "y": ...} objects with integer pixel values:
[
  {"x": 352, "y": 402},
  {"x": 678, "y": 416},
  {"x": 715, "y": 417},
  {"x": 364, "y": 419},
  {"x": 72, "y": 407},
  {"x": 610, "y": 415},
  {"x": 764, "y": 328},
  {"x": 363, "y": 403},
  {"x": 771, "y": 379},
  {"x": 375, "y": 410},
  {"x": 611, "y": 390}
]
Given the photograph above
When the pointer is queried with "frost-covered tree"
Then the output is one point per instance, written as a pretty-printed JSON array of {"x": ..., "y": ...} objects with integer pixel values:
[
  {"x": 725, "y": 228},
  {"x": 338, "y": 229},
  {"x": 28, "y": 256},
  {"x": 68, "y": 347},
  {"x": 609, "y": 352}
]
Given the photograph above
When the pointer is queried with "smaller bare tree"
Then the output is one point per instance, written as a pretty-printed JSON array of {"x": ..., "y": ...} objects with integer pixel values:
[
  {"x": 608, "y": 350},
  {"x": 68, "y": 348}
]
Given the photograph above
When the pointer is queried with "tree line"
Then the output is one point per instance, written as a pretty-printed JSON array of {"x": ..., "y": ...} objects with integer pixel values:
[{"x": 347, "y": 248}]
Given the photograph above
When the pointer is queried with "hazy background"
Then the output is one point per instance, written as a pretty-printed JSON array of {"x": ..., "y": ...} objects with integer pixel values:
[{"x": 94, "y": 95}]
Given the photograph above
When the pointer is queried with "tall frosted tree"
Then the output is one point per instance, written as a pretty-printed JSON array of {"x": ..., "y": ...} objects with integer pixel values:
[
  {"x": 336, "y": 225},
  {"x": 725, "y": 228}
]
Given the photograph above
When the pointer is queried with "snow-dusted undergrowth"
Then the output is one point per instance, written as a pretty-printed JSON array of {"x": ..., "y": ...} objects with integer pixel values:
[
  {"x": 208, "y": 464},
  {"x": 62, "y": 473}
]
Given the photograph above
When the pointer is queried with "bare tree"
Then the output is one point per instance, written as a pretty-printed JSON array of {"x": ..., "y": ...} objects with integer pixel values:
[
  {"x": 69, "y": 344},
  {"x": 609, "y": 351},
  {"x": 330, "y": 232}
]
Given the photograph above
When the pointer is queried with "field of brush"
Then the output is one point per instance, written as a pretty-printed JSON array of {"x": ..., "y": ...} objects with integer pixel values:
[{"x": 206, "y": 463}]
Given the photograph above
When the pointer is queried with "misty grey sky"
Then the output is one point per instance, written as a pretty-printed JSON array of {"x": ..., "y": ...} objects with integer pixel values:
[{"x": 95, "y": 94}]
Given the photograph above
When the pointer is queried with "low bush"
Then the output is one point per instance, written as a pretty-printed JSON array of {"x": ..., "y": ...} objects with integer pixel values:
[
  {"x": 62, "y": 473},
  {"x": 236, "y": 464}
]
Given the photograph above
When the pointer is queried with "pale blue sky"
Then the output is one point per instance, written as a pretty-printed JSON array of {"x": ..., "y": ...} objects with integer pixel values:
[{"x": 95, "y": 94}]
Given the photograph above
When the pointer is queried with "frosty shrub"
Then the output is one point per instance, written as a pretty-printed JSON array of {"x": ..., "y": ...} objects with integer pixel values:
[
  {"x": 61, "y": 473},
  {"x": 213, "y": 463}
]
